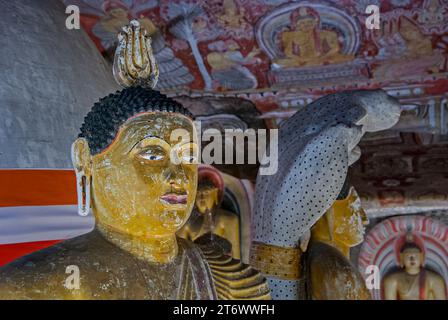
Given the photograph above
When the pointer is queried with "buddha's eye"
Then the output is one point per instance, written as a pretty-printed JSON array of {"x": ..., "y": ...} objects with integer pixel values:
[
  {"x": 188, "y": 154},
  {"x": 152, "y": 154}
]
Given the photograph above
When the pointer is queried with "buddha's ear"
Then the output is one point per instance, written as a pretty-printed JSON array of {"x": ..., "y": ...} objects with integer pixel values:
[
  {"x": 82, "y": 162},
  {"x": 81, "y": 157},
  {"x": 400, "y": 263}
]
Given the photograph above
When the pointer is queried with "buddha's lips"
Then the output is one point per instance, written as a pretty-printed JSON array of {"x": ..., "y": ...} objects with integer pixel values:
[{"x": 174, "y": 198}]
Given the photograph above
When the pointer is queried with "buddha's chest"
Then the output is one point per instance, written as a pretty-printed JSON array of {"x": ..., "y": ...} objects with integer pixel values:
[
  {"x": 136, "y": 279},
  {"x": 412, "y": 288}
]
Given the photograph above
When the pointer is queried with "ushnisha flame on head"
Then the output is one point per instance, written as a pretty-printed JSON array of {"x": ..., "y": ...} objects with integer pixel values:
[{"x": 134, "y": 62}]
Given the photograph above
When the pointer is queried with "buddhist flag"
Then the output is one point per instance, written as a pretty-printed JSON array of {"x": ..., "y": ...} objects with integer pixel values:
[{"x": 37, "y": 209}]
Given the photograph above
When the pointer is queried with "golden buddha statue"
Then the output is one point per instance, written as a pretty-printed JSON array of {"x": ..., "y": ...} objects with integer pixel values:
[
  {"x": 140, "y": 183},
  {"x": 331, "y": 276},
  {"x": 209, "y": 218},
  {"x": 306, "y": 44},
  {"x": 413, "y": 282}
]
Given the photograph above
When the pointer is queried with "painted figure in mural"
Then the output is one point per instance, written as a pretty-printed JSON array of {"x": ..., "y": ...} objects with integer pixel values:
[
  {"x": 126, "y": 173},
  {"x": 316, "y": 147},
  {"x": 413, "y": 281},
  {"x": 432, "y": 13},
  {"x": 227, "y": 64},
  {"x": 407, "y": 50},
  {"x": 308, "y": 44},
  {"x": 208, "y": 217},
  {"x": 330, "y": 275},
  {"x": 233, "y": 16},
  {"x": 116, "y": 15}
]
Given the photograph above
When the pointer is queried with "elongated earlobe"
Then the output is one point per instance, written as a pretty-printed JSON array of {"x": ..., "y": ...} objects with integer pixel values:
[
  {"x": 83, "y": 191},
  {"x": 82, "y": 163}
]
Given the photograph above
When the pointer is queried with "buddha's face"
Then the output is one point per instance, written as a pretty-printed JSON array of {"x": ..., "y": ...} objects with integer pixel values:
[
  {"x": 411, "y": 258},
  {"x": 206, "y": 199},
  {"x": 137, "y": 188},
  {"x": 306, "y": 25},
  {"x": 349, "y": 220}
]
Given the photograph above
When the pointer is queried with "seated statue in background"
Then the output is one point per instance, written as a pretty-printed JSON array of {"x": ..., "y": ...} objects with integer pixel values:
[
  {"x": 330, "y": 275},
  {"x": 207, "y": 216},
  {"x": 316, "y": 147},
  {"x": 141, "y": 185},
  {"x": 413, "y": 282}
]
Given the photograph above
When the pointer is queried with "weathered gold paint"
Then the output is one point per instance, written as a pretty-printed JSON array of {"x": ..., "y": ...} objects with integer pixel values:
[
  {"x": 343, "y": 224},
  {"x": 330, "y": 273},
  {"x": 278, "y": 262}
]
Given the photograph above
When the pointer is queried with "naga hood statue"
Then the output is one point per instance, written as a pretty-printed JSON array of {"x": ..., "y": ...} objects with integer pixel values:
[{"x": 316, "y": 147}]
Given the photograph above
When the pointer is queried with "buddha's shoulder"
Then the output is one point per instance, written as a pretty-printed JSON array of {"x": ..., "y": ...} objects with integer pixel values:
[
  {"x": 434, "y": 277},
  {"x": 332, "y": 276},
  {"x": 393, "y": 276},
  {"x": 43, "y": 272},
  {"x": 326, "y": 256},
  {"x": 80, "y": 251}
]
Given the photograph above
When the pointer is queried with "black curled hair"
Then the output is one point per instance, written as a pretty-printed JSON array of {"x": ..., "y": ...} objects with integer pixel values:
[
  {"x": 205, "y": 184},
  {"x": 410, "y": 245},
  {"x": 102, "y": 123}
]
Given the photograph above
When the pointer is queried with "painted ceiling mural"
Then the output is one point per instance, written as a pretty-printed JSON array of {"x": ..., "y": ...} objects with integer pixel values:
[
  {"x": 236, "y": 45},
  {"x": 281, "y": 55}
]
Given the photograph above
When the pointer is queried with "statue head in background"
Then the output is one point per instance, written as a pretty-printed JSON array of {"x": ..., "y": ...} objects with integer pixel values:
[
  {"x": 210, "y": 189},
  {"x": 411, "y": 256},
  {"x": 207, "y": 196},
  {"x": 349, "y": 219},
  {"x": 141, "y": 178},
  {"x": 343, "y": 225}
]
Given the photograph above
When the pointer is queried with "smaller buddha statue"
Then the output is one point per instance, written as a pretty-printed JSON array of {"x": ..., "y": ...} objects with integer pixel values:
[
  {"x": 307, "y": 44},
  {"x": 207, "y": 216},
  {"x": 412, "y": 281},
  {"x": 331, "y": 276}
]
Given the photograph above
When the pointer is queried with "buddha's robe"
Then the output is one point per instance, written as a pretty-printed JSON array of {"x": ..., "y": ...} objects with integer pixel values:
[{"x": 108, "y": 272}]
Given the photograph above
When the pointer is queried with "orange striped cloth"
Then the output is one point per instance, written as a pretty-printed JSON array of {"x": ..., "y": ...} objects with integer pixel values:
[{"x": 31, "y": 202}]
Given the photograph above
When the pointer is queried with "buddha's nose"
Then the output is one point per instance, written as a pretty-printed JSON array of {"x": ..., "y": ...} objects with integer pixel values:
[
  {"x": 176, "y": 174},
  {"x": 175, "y": 186}
]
